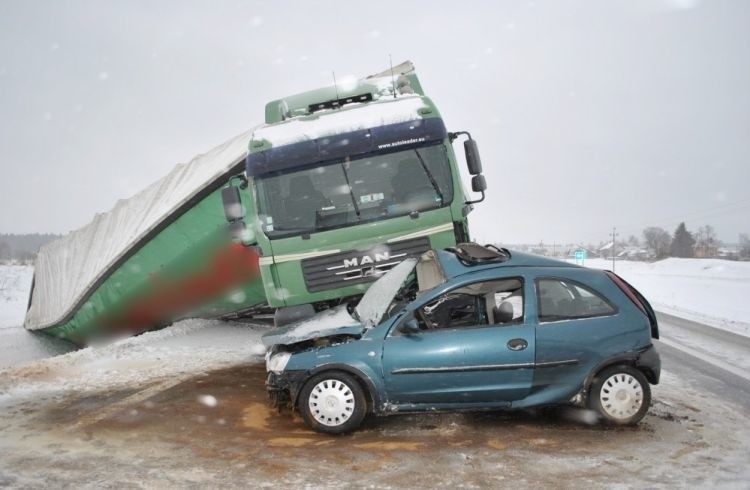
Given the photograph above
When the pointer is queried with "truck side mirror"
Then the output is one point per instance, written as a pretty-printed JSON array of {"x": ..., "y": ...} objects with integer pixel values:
[
  {"x": 478, "y": 184},
  {"x": 473, "y": 161},
  {"x": 237, "y": 230},
  {"x": 233, "y": 208}
]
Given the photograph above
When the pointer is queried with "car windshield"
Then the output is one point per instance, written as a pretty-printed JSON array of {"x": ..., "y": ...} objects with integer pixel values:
[{"x": 348, "y": 192}]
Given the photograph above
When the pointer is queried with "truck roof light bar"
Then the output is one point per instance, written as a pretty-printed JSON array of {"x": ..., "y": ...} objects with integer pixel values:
[{"x": 337, "y": 103}]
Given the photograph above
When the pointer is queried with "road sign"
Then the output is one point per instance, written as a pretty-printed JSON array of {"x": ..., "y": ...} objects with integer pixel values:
[{"x": 580, "y": 256}]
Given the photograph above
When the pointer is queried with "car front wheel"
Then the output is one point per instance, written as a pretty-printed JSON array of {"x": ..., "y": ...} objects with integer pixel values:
[
  {"x": 621, "y": 395},
  {"x": 333, "y": 403}
]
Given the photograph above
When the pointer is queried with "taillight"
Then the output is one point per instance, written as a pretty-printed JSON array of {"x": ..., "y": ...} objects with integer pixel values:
[
  {"x": 626, "y": 289},
  {"x": 638, "y": 299}
]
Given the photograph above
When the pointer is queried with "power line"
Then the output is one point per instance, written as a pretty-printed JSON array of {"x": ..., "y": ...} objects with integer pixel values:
[{"x": 713, "y": 211}]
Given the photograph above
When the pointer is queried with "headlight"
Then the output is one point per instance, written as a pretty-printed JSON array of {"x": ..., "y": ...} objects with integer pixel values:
[{"x": 276, "y": 362}]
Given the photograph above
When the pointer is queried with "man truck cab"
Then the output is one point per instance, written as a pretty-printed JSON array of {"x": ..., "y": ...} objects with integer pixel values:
[{"x": 347, "y": 181}]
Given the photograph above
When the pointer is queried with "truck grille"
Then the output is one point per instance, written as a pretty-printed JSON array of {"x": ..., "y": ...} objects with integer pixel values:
[{"x": 357, "y": 267}]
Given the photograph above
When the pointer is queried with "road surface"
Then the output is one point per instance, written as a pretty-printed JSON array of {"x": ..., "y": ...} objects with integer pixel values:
[{"x": 215, "y": 429}]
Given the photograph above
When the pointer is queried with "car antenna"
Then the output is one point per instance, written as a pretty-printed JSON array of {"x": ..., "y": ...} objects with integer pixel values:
[
  {"x": 335, "y": 87},
  {"x": 393, "y": 79}
]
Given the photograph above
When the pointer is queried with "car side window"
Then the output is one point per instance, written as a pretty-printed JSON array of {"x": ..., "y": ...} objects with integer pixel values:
[
  {"x": 483, "y": 303},
  {"x": 560, "y": 299}
]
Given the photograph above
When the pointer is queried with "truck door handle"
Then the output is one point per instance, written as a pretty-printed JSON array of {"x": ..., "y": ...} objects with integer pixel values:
[{"x": 517, "y": 344}]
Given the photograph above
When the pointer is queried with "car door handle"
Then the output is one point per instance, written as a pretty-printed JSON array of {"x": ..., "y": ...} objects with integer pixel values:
[{"x": 517, "y": 344}]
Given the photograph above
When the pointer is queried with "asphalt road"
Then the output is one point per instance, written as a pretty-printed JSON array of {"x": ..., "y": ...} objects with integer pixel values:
[{"x": 705, "y": 371}]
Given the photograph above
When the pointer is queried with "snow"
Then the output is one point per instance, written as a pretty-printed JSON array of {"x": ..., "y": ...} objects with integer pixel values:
[
  {"x": 66, "y": 268},
  {"x": 15, "y": 282},
  {"x": 350, "y": 118},
  {"x": 186, "y": 348},
  {"x": 710, "y": 291},
  {"x": 320, "y": 325}
]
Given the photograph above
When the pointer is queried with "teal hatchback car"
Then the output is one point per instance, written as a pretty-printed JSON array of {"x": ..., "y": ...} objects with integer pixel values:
[{"x": 470, "y": 328}]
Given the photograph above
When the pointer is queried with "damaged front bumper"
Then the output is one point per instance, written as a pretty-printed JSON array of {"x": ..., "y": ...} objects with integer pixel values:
[{"x": 283, "y": 387}]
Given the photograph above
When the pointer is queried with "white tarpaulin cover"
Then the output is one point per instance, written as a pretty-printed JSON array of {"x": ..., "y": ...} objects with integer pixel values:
[{"x": 67, "y": 268}]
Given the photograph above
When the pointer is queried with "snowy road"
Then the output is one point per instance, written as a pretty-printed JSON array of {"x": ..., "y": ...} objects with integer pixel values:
[
  {"x": 708, "y": 359},
  {"x": 211, "y": 426}
]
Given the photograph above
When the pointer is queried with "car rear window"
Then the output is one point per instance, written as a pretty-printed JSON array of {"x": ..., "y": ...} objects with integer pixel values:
[{"x": 561, "y": 299}]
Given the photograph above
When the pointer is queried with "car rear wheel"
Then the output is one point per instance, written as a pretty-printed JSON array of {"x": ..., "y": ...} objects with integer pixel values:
[
  {"x": 333, "y": 403},
  {"x": 621, "y": 395}
]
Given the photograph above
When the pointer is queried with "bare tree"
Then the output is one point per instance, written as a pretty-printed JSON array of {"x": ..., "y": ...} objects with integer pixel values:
[
  {"x": 5, "y": 251},
  {"x": 744, "y": 246},
  {"x": 706, "y": 242},
  {"x": 658, "y": 241}
]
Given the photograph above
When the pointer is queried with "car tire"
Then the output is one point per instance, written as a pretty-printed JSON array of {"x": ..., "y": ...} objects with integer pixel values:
[
  {"x": 332, "y": 402},
  {"x": 620, "y": 394}
]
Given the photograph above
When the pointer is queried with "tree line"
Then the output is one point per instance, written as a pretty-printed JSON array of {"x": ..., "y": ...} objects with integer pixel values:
[
  {"x": 686, "y": 244},
  {"x": 22, "y": 247}
]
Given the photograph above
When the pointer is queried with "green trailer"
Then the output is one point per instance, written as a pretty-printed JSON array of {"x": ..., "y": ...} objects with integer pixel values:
[{"x": 161, "y": 255}]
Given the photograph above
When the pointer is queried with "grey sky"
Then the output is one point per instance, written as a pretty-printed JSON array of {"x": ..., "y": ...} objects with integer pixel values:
[{"x": 588, "y": 114}]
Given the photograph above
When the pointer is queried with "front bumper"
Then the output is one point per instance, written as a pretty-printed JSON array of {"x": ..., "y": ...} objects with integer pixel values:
[{"x": 283, "y": 387}]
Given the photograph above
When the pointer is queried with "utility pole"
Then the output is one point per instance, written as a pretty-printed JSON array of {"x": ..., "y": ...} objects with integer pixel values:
[{"x": 614, "y": 238}]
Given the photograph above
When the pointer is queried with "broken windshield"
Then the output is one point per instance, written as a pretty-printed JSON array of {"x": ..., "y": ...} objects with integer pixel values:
[{"x": 351, "y": 191}]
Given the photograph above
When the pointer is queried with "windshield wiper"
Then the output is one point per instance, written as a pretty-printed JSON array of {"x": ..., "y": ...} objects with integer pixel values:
[
  {"x": 430, "y": 176},
  {"x": 351, "y": 191}
]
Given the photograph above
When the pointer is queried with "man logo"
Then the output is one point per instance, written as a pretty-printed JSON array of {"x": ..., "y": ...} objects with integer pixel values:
[{"x": 367, "y": 259}]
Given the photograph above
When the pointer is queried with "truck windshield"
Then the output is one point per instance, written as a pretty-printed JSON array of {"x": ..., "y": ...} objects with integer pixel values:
[{"x": 352, "y": 191}]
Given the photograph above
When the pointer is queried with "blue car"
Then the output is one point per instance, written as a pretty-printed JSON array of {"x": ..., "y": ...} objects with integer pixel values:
[{"x": 470, "y": 328}]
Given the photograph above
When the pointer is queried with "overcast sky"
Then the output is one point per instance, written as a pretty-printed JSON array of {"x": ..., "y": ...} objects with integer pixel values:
[{"x": 588, "y": 114}]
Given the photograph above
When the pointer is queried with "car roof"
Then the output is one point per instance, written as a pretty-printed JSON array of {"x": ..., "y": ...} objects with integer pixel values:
[{"x": 459, "y": 260}]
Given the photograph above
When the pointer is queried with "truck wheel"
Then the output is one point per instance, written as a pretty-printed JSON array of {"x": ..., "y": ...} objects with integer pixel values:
[
  {"x": 621, "y": 395},
  {"x": 333, "y": 403}
]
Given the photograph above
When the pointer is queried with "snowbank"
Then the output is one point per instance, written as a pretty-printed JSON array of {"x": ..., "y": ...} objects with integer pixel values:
[
  {"x": 710, "y": 291},
  {"x": 186, "y": 348},
  {"x": 15, "y": 283}
]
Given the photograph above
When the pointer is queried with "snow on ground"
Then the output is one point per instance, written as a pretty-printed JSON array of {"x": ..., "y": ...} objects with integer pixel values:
[
  {"x": 15, "y": 283},
  {"x": 186, "y": 348},
  {"x": 710, "y": 291}
]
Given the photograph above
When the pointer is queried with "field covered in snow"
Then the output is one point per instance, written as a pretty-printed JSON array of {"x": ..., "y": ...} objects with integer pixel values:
[
  {"x": 15, "y": 283},
  {"x": 710, "y": 291}
]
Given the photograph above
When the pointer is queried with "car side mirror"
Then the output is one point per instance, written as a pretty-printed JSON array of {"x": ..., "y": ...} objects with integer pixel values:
[
  {"x": 478, "y": 184},
  {"x": 233, "y": 208},
  {"x": 409, "y": 327},
  {"x": 472, "y": 157}
]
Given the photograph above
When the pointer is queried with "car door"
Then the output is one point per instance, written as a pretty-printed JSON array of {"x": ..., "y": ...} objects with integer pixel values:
[
  {"x": 577, "y": 328},
  {"x": 472, "y": 356}
]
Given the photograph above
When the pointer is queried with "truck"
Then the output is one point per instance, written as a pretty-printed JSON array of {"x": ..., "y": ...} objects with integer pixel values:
[
  {"x": 336, "y": 187},
  {"x": 343, "y": 183}
]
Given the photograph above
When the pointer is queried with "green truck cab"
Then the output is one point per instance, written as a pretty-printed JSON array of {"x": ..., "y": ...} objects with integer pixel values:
[{"x": 347, "y": 181}]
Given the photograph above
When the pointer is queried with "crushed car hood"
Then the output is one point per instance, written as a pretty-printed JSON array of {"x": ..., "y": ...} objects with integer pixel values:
[
  {"x": 335, "y": 321},
  {"x": 376, "y": 300}
]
